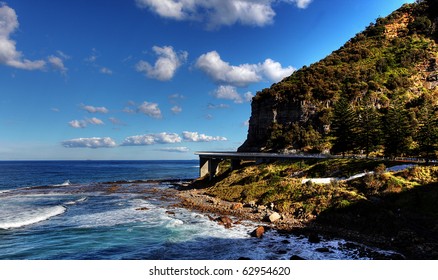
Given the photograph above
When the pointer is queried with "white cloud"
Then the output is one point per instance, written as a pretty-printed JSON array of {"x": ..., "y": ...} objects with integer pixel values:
[
  {"x": 93, "y": 56},
  {"x": 227, "y": 92},
  {"x": 116, "y": 121},
  {"x": 209, "y": 117},
  {"x": 222, "y": 72},
  {"x": 176, "y": 110},
  {"x": 9, "y": 55},
  {"x": 175, "y": 98},
  {"x": 242, "y": 75},
  {"x": 247, "y": 96},
  {"x": 92, "y": 143},
  {"x": 57, "y": 63},
  {"x": 150, "y": 139},
  {"x": 92, "y": 109},
  {"x": 166, "y": 65},
  {"x": 218, "y": 106},
  {"x": 92, "y": 61},
  {"x": 196, "y": 137},
  {"x": 230, "y": 93},
  {"x": 150, "y": 109},
  {"x": 128, "y": 110},
  {"x": 84, "y": 123},
  {"x": 302, "y": 4},
  {"x": 216, "y": 13},
  {"x": 78, "y": 124},
  {"x": 176, "y": 150},
  {"x": 95, "y": 121},
  {"x": 274, "y": 71},
  {"x": 105, "y": 70}
]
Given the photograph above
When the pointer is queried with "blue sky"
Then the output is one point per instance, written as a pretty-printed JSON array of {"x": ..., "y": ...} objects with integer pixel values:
[{"x": 153, "y": 79}]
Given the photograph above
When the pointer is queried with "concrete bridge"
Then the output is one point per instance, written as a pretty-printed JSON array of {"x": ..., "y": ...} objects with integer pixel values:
[{"x": 209, "y": 161}]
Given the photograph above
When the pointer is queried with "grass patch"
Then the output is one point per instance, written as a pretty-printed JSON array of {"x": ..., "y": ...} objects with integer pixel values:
[{"x": 276, "y": 183}]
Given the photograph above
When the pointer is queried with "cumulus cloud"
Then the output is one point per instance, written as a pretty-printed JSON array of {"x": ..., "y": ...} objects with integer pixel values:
[
  {"x": 247, "y": 96},
  {"x": 230, "y": 93},
  {"x": 166, "y": 65},
  {"x": 227, "y": 92},
  {"x": 57, "y": 63},
  {"x": 92, "y": 143},
  {"x": 95, "y": 121},
  {"x": 128, "y": 110},
  {"x": 241, "y": 75},
  {"x": 150, "y": 109},
  {"x": 176, "y": 150},
  {"x": 274, "y": 71},
  {"x": 9, "y": 55},
  {"x": 84, "y": 123},
  {"x": 302, "y": 4},
  {"x": 150, "y": 139},
  {"x": 176, "y": 110},
  {"x": 78, "y": 124},
  {"x": 216, "y": 13},
  {"x": 196, "y": 137},
  {"x": 92, "y": 109},
  {"x": 222, "y": 72},
  {"x": 92, "y": 61}
]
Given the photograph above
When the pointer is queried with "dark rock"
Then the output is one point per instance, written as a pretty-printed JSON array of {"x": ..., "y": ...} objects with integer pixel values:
[
  {"x": 225, "y": 220},
  {"x": 170, "y": 213},
  {"x": 142, "y": 209},
  {"x": 244, "y": 259},
  {"x": 295, "y": 257},
  {"x": 282, "y": 252},
  {"x": 314, "y": 238},
  {"x": 323, "y": 250},
  {"x": 258, "y": 232},
  {"x": 285, "y": 241}
]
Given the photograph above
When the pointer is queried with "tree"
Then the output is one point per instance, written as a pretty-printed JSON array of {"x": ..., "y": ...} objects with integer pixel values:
[
  {"x": 344, "y": 126},
  {"x": 398, "y": 131},
  {"x": 427, "y": 136},
  {"x": 369, "y": 135}
]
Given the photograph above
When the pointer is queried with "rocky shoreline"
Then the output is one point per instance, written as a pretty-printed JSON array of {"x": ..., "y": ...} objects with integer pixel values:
[{"x": 229, "y": 213}]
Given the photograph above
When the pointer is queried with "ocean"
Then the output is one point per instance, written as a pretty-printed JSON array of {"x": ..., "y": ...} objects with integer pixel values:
[{"x": 115, "y": 210}]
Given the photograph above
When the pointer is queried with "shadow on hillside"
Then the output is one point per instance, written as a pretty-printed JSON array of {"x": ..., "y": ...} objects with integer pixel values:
[{"x": 408, "y": 220}]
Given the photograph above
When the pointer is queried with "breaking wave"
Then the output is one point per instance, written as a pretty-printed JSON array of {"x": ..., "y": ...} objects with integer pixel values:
[{"x": 30, "y": 216}]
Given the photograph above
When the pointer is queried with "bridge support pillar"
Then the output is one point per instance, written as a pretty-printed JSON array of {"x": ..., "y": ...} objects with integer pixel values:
[{"x": 208, "y": 166}]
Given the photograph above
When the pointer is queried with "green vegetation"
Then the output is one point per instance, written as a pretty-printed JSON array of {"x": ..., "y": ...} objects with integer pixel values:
[
  {"x": 367, "y": 97},
  {"x": 280, "y": 183},
  {"x": 400, "y": 206}
]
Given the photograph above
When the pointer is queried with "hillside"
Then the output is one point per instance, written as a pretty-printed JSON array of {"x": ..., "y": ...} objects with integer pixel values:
[
  {"x": 393, "y": 208},
  {"x": 378, "y": 94}
]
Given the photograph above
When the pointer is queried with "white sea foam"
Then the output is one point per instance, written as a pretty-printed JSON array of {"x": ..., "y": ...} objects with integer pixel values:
[
  {"x": 17, "y": 219},
  {"x": 82, "y": 199},
  {"x": 66, "y": 183}
]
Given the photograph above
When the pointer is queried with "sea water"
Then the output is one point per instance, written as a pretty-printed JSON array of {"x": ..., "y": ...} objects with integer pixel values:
[{"x": 54, "y": 210}]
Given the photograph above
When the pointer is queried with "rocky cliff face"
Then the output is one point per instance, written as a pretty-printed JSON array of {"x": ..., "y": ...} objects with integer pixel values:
[{"x": 393, "y": 60}]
